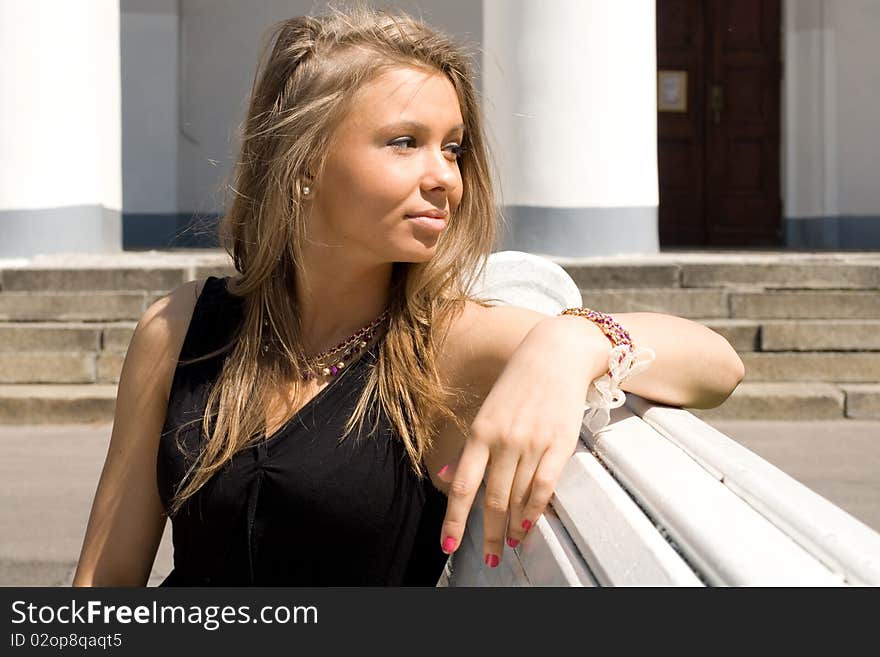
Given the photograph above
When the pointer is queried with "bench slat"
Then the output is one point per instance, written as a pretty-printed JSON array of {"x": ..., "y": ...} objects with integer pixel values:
[
  {"x": 548, "y": 557},
  {"x": 843, "y": 543},
  {"x": 619, "y": 543},
  {"x": 724, "y": 538}
]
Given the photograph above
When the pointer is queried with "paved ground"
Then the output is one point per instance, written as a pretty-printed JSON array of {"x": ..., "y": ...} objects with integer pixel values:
[{"x": 48, "y": 476}]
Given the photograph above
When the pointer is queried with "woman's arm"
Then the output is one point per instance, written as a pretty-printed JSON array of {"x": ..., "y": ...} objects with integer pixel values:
[
  {"x": 695, "y": 367},
  {"x": 127, "y": 519},
  {"x": 532, "y": 373}
]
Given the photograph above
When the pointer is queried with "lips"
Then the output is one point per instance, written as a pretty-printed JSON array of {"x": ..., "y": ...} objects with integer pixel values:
[
  {"x": 432, "y": 214},
  {"x": 428, "y": 222}
]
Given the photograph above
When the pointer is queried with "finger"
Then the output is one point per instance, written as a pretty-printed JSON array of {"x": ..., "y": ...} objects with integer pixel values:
[
  {"x": 519, "y": 496},
  {"x": 460, "y": 497},
  {"x": 502, "y": 468},
  {"x": 543, "y": 485}
]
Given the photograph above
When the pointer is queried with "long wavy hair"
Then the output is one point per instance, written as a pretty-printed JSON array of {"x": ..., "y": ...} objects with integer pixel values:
[{"x": 300, "y": 94}]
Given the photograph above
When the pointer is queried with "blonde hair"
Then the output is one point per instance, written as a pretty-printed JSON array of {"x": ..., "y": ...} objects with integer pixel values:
[{"x": 301, "y": 92}]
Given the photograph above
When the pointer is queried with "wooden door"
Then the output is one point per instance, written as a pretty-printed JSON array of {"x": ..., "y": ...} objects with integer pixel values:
[{"x": 718, "y": 143}]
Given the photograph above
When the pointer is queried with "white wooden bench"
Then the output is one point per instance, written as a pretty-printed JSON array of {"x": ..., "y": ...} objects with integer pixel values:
[{"x": 660, "y": 498}]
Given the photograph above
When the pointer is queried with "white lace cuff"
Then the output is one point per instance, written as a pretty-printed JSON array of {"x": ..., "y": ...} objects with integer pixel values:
[{"x": 604, "y": 393}]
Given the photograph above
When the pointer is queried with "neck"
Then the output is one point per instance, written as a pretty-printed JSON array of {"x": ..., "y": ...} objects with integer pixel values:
[{"x": 340, "y": 297}]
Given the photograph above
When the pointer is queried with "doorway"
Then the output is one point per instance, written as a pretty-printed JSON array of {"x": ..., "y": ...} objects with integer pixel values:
[{"x": 718, "y": 123}]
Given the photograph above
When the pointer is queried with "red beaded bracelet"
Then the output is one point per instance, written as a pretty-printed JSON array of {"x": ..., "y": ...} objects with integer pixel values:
[{"x": 612, "y": 330}]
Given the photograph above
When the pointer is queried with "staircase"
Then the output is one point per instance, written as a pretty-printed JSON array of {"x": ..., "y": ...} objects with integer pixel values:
[
  {"x": 66, "y": 322},
  {"x": 807, "y": 326}
]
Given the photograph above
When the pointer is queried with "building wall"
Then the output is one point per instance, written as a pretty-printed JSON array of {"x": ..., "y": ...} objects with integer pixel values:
[{"x": 831, "y": 91}]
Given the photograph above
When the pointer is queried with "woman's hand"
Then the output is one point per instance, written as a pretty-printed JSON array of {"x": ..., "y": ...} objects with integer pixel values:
[{"x": 524, "y": 433}]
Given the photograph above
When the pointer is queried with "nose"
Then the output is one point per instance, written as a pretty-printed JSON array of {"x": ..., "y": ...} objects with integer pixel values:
[{"x": 440, "y": 173}]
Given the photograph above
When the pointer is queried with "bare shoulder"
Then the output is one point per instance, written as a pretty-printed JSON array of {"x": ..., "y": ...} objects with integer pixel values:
[{"x": 162, "y": 328}]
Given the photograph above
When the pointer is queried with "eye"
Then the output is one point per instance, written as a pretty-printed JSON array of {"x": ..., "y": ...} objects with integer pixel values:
[
  {"x": 404, "y": 143},
  {"x": 458, "y": 151},
  {"x": 401, "y": 143}
]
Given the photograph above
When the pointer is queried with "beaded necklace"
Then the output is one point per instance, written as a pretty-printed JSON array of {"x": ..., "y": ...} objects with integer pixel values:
[
  {"x": 327, "y": 363},
  {"x": 333, "y": 360}
]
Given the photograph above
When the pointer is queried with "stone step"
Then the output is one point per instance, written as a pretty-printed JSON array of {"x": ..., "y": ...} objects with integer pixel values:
[
  {"x": 798, "y": 401},
  {"x": 219, "y": 270},
  {"x": 791, "y": 275},
  {"x": 108, "y": 278},
  {"x": 794, "y": 275},
  {"x": 65, "y": 336},
  {"x": 104, "y": 306},
  {"x": 105, "y": 367},
  {"x": 100, "y": 306},
  {"x": 743, "y": 334},
  {"x": 831, "y": 366},
  {"x": 805, "y": 304},
  {"x": 590, "y": 274},
  {"x": 85, "y": 280},
  {"x": 599, "y": 276},
  {"x": 109, "y": 366},
  {"x": 57, "y": 404},
  {"x": 820, "y": 335},
  {"x": 117, "y": 336},
  {"x": 707, "y": 303},
  {"x": 48, "y": 367},
  {"x": 779, "y": 401},
  {"x": 862, "y": 400},
  {"x": 61, "y": 367},
  {"x": 798, "y": 335}
]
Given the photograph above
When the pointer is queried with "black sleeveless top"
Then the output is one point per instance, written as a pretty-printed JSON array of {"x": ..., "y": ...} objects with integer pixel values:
[{"x": 303, "y": 509}]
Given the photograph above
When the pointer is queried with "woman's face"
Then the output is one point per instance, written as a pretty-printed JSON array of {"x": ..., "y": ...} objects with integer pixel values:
[{"x": 392, "y": 158}]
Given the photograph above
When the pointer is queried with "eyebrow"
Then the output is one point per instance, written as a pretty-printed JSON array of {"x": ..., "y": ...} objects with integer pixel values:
[{"x": 415, "y": 125}]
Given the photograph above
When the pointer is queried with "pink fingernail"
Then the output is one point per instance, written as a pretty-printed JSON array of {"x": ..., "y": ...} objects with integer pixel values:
[
  {"x": 512, "y": 542},
  {"x": 526, "y": 525},
  {"x": 448, "y": 544},
  {"x": 492, "y": 560},
  {"x": 442, "y": 470}
]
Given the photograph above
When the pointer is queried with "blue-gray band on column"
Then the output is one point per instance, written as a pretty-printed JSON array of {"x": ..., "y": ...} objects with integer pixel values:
[
  {"x": 579, "y": 232},
  {"x": 830, "y": 233},
  {"x": 76, "y": 228},
  {"x": 169, "y": 230}
]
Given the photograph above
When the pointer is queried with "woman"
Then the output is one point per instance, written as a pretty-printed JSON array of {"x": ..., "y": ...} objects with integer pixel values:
[{"x": 361, "y": 212}]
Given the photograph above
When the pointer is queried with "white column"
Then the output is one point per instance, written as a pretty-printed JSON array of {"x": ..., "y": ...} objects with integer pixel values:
[
  {"x": 60, "y": 173},
  {"x": 810, "y": 154},
  {"x": 571, "y": 106}
]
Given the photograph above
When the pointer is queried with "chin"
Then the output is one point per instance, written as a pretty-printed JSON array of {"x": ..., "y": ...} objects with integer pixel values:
[{"x": 422, "y": 254}]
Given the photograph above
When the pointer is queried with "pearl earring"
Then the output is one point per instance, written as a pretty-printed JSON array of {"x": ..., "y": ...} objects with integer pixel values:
[{"x": 306, "y": 190}]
